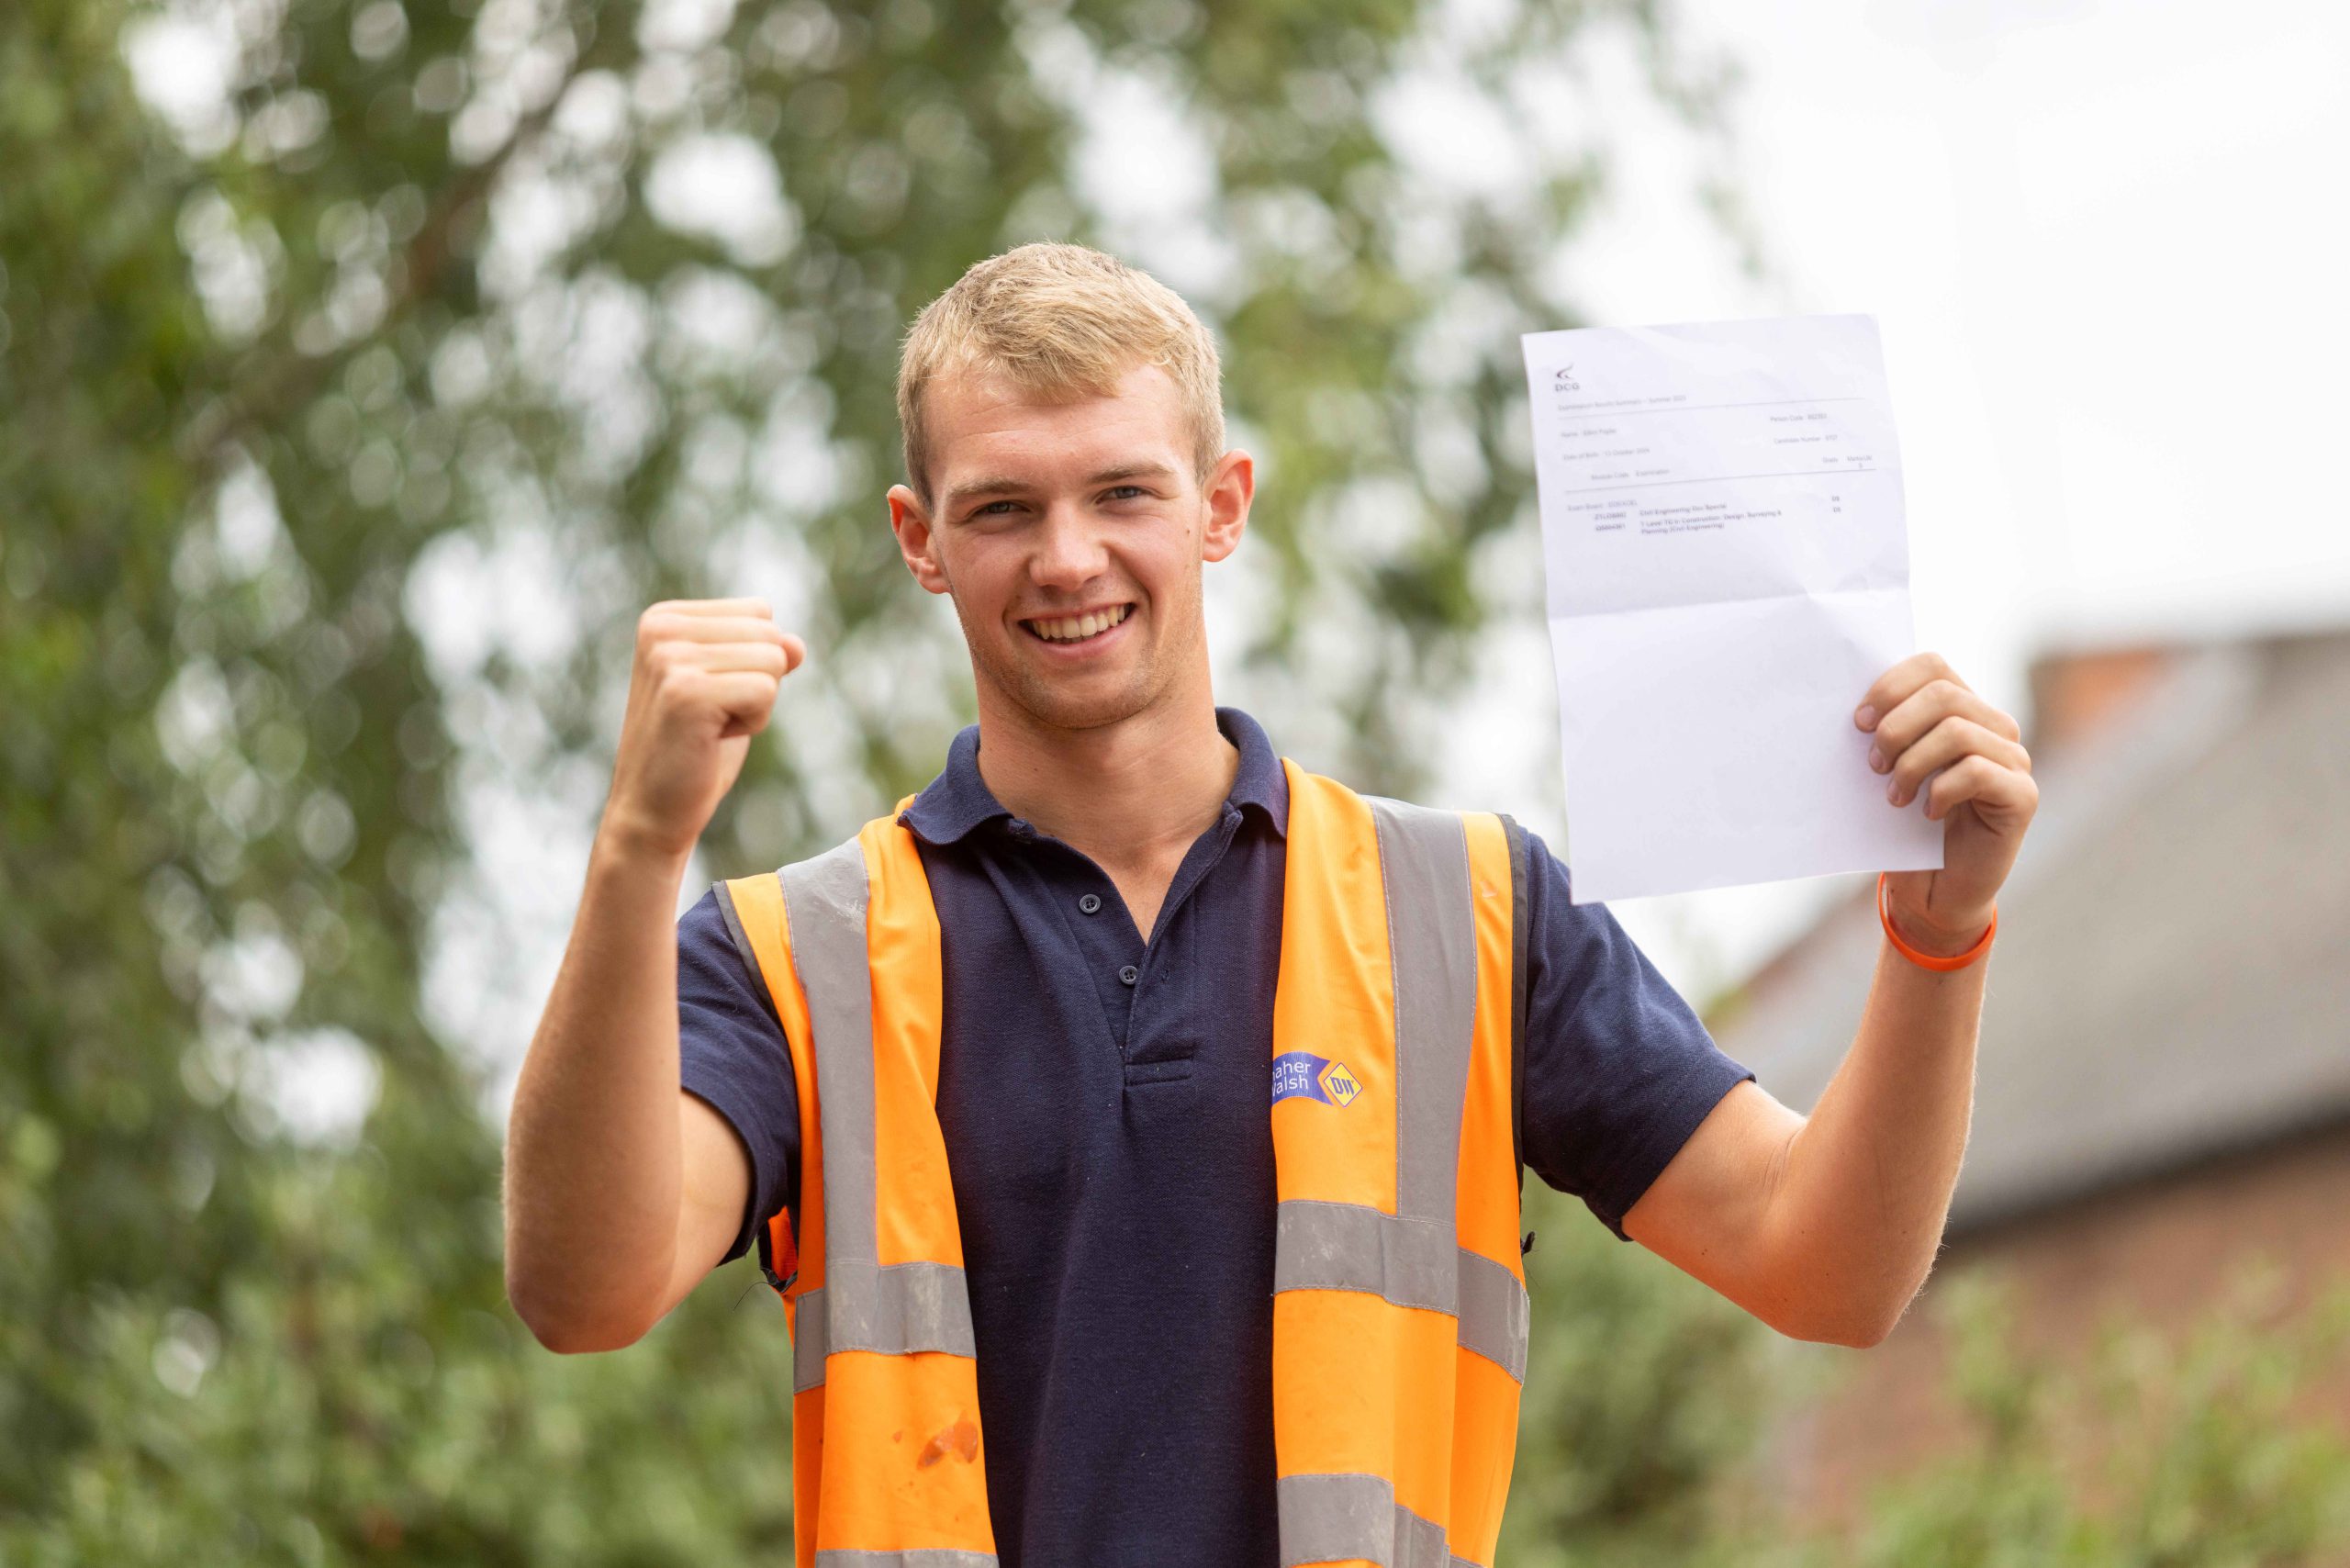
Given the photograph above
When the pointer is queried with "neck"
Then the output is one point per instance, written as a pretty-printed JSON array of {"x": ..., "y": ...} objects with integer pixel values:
[{"x": 1125, "y": 793}]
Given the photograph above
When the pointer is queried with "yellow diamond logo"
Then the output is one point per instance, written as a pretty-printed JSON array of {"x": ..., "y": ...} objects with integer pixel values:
[{"x": 1340, "y": 1084}]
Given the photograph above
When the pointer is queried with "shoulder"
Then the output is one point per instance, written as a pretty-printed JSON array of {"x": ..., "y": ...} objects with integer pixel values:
[
  {"x": 708, "y": 926},
  {"x": 718, "y": 969}
]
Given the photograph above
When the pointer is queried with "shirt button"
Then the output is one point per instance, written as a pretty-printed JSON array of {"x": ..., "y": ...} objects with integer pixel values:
[
  {"x": 1090, "y": 903},
  {"x": 1130, "y": 974}
]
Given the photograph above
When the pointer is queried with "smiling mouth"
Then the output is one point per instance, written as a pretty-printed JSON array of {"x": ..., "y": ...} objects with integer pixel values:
[{"x": 1077, "y": 628}]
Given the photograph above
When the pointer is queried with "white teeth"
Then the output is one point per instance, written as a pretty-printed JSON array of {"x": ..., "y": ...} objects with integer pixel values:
[{"x": 1074, "y": 628}]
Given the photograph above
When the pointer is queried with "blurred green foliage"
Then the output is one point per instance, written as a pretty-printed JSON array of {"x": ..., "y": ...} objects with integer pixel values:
[
  {"x": 1652, "y": 1408},
  {"x": 2157, "y": 1451},
  {"x": 1645, "y": 1393}
]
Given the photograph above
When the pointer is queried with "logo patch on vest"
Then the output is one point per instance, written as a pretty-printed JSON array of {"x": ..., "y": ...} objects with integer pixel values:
[{"x": 1303, "y": 1075}]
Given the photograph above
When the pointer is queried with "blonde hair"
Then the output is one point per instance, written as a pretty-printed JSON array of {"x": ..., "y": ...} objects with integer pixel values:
[{"x": 1060, "y": 322}]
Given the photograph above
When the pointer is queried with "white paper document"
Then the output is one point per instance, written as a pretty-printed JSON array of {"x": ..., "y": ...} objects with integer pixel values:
[{"x": 1729, "y": 572}]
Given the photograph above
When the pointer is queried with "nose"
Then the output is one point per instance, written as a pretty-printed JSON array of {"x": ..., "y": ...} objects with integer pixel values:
[{"x": 1069, "y": 552}]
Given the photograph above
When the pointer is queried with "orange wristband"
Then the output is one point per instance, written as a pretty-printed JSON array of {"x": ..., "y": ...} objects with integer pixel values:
[{"x": 1930, "y": 960}]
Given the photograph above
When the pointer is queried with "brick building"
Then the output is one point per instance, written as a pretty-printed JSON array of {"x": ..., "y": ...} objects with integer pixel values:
[{"x": 2162, "y": 1090}]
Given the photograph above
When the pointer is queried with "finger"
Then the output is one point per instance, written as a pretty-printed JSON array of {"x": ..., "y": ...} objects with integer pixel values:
[
  {"x": 758, "y": 607},
  {"x": 1927, "y": 706},
  {"x": 669, "y": 627},
  {"x": 746, "y": 698},
  {"x": 1899, "y": 684},
  {"x": 785, "y": 654},
  {"x": 1943, "y": 745},
  {"x": 718, "y": 658},
  {"x": 1992, "y": 787}
]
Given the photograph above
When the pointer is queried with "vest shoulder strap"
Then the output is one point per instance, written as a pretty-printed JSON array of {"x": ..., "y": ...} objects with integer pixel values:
[{"x": 1521, "y": 878}]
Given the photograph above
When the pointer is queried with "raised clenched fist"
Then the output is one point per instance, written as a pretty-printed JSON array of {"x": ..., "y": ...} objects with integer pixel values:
[{"x": 704, "y": 682}]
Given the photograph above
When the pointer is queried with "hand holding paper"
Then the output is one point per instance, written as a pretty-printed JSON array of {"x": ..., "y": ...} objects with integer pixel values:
[
  {"x": 1728, "y": 574},
  {"x": 1932, "y": 732}
]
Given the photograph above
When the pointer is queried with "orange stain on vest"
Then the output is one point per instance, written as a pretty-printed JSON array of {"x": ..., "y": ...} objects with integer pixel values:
[{"x": 961, "y": 1440}]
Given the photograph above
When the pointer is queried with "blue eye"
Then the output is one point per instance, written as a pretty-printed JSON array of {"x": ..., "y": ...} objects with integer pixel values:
[{"x": 1121, "y": 491}]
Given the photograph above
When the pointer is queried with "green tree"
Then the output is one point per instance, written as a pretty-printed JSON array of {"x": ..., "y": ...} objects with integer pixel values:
[
  {"x": 1645, "y": 1393},
  {"x": 2187, "y": 1450},
  {"x": 360, "y": 309}
]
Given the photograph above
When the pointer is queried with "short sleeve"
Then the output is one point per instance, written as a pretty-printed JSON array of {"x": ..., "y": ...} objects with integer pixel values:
[
  {"x": 731, "y": 1052},
  {"x": 1618, "y": 1070}
]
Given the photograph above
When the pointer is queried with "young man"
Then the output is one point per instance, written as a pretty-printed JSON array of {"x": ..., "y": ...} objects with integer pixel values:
[{"x": 1044, "y": 1200}]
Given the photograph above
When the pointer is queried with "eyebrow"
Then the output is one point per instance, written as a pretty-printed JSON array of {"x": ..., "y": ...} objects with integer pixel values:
[{"x": 1003, "y": 485}]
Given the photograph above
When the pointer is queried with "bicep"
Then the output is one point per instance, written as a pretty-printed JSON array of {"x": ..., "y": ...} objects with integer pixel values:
[
  {"x": 716, "y": 1191},
  {"x": 1619, "y": 1072},
  {"x": 1706, "y": 1212}
]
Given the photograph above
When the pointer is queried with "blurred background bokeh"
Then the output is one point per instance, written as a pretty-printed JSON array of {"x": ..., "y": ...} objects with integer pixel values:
[{"x": 366, "y": 366}]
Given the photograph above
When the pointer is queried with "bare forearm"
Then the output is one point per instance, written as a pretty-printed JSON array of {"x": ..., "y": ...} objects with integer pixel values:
[
  {"x": 1859, "y": 1208},
  {"x": 593, "y": 1163}
]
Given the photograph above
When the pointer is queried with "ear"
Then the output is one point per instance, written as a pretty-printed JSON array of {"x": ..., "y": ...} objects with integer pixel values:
[
  {"x": 1232, "y": 485},
  {"x": 909, "y": 520}
]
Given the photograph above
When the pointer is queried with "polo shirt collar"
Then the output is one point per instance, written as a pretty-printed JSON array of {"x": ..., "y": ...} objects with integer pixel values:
[{"x": 958, "y": 800}]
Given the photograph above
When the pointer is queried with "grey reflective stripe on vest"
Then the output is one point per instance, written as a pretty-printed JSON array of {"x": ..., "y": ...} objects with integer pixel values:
[
  {"x": 861, "y": 1305},
  {"x": 896, "y": 1309},
  {"x": 1411, "y": 1257},
  {"x": 1322, "y": 1246},
  {"x": 921, "y": 1557},
  {"x": 1432, "y": 945},
  {"x": 1494, "y": 1313},
  {"x": 1343, "y": 1518}
]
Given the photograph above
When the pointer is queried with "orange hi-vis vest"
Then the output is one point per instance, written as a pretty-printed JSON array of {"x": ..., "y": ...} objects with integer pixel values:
[{"x": 1399, "y": 1309}]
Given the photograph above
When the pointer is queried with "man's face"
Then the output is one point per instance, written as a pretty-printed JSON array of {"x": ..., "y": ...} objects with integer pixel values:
[{"x": 1071, "y": 536}]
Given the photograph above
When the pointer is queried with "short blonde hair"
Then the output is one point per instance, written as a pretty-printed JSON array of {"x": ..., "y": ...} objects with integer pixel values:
[{"x": 1060, "y": 322}]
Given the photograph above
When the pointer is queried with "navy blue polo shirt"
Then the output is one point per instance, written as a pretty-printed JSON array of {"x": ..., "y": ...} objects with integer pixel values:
[{"x": 1104, "y": 1105}]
